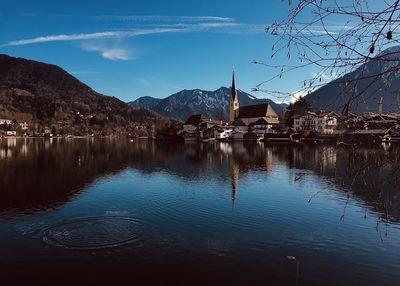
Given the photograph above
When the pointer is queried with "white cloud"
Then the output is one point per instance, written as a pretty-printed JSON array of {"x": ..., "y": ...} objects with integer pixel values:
[
  {"x": 110, "y": 53},
  {"x": 116, "y": 54},
  {"x": 152, "y": 25},
  {"x": 155, "y": 18},
  {"x": 83, "y": 72},
  {"x": 91, "y": 36}
]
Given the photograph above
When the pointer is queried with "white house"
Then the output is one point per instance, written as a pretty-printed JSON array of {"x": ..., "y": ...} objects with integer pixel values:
[
  {"x": 222, "y": 132},
  {"x": 327, "y": 122},
  {"x": 307, "y": 121},
  {"x": 5, "y": 121},
  {"x": 323, "y": 122},
  {"x": 11, "y": 133},
  {"x": 24, "y": 125}
]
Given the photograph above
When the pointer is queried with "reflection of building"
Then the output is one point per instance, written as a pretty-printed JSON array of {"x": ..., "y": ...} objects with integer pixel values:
[{"x": 234, "y": 168}]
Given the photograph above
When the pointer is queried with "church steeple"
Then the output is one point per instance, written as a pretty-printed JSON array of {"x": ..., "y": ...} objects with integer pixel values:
[
  {"x": 233, "y": 89},
  {"x": 233, "y": 101}
]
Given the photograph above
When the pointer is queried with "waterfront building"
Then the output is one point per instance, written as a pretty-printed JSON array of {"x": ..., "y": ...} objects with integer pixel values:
[
  {"x": 5, "y": 121},
  {"x": 322, "y": 122},
  {"x": 249, "y": 113}
]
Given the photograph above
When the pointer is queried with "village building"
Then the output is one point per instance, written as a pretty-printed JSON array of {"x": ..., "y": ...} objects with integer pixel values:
[
  {"x": 240, "y": 126},
  {"x": 373, "y": 121},
  {"x": 250, "y": 113},
  {"x": 322, "y": 122},
  {"x": 5, "y": 121},
  {"x": 249, "y": 122},
  {"x": 198, "y": 127},
  {"x": 11, "y": 133},
  {"x": 199, "y": 120},
  {"x": 24, "y": 125}
]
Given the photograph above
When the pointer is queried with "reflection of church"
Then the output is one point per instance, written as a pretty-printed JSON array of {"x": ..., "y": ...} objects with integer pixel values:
[
  {"x": 259, "y": 114},
  {"x": 234, "y": 168}
]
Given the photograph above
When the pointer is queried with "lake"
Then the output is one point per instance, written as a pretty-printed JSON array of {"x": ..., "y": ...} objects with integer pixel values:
[{"x": 156, "y": 213}]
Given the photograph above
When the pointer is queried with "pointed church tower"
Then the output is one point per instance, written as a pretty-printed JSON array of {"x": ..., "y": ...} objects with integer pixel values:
[{"x": 233, "y": 101}]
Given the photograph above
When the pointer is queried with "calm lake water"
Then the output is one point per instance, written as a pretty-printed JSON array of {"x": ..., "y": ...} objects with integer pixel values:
[{"x": 151, "y": 213}]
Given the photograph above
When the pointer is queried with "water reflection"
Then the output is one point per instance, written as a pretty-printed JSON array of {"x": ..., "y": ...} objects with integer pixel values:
[
  {"x": 42, "y": 174},
  {"x": 199, "y": 213}
]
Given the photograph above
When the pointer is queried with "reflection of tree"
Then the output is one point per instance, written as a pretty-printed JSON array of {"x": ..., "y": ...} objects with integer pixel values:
[{"x": 370, "y": 174}]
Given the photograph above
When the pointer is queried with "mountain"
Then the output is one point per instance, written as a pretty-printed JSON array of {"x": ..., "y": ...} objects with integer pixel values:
[
  {"x": 336, "y": 94},
  {"x": 45, "y": 95},
  {"x": 213, "y": 104}
]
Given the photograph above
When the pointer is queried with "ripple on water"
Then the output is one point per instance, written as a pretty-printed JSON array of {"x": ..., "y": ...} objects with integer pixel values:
[{"x": 88, "y": 233}]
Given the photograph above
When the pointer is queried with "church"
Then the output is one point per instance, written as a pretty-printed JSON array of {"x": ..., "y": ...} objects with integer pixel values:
[{"x": 259, "y": 114}]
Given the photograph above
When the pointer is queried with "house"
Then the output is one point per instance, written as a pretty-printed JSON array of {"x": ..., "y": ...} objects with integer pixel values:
[
  {"x": 222, "y": 132},
  {"x": 11, "y": 133},
  {"x": 250, "y": 113},
  {"x": 262, "y": 126},
  {"x": 366, "y": 136},
  {"x": 199, "y": 121},
  {"x": 326, "y": 122},
  {"x": 306, "y": 121},
  {"x": 322, "y": 122},
  {"x": 239, "y": 125},
  {"x": 5, "y": 121},
  {"x": 24, "y": 125},
  {"x": 372, "y": 120}
]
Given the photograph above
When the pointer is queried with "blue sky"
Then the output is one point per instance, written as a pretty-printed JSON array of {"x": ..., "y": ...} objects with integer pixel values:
[{"x": 130, "y": 49}]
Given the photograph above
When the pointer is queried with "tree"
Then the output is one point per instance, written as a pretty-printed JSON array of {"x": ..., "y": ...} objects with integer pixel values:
[
  {"x": 335, "y": 37},
  {"x": 297, "y": 108}
]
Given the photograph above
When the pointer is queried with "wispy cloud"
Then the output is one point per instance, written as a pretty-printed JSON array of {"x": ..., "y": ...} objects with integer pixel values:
[
  {"x": 110, "y": 53},
  {"x": 155, "y": 18},
  {"x": 92, "y": 36},
  {"x": 78, "y": 72},
  {"x": 134, "y": 18},
  {"x": 147, "y": 25}
]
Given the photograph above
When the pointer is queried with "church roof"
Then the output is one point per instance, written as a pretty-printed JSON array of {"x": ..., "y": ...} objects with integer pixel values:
[
  {"x": 266, "y": 121},
  {"x": 258, "y": 110}
]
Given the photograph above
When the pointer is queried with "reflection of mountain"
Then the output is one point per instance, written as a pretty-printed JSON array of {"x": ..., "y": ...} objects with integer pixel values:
[{"x": 46, "y": 173}]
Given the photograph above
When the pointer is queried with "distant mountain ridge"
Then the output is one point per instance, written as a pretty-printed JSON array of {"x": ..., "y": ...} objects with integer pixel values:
[
  {"x": 336, "y": 94},
  {"x": 47, "y": 96},
  {"x": 213, "y": 104}
]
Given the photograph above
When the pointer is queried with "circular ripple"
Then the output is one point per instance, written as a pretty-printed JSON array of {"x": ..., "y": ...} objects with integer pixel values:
[{"x": 93, "y": 232}]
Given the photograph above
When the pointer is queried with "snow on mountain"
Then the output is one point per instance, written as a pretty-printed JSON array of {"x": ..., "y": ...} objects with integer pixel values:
[{"x": 213, "y": 104}]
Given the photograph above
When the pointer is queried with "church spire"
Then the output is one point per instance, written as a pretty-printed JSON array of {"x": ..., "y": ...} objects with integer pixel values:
[
  {"x": 233, "y": 89},
  {"x": 234, "y": 103}
]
